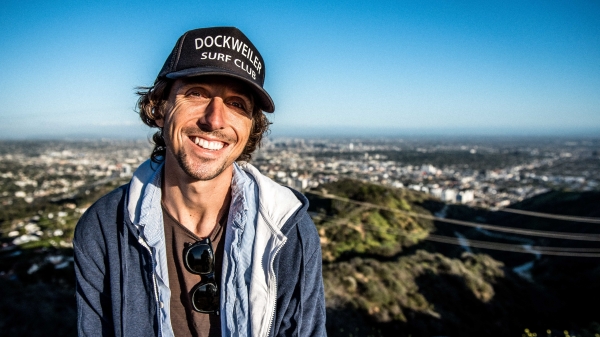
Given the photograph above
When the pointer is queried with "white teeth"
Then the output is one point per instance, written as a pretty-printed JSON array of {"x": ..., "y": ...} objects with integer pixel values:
[{"x": 208, "y": 145}]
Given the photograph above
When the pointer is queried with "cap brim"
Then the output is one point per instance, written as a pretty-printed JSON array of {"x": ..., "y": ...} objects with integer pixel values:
[{"x": 264, "y": 100}]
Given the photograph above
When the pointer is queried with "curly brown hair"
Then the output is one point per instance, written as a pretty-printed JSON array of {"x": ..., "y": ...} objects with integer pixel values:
[{"x": 150, "y": 107}]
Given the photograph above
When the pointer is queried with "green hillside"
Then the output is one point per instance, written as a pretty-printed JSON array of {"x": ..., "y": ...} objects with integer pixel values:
[
  {"x": 383, "y": 279},
  {"x": 347, "y": 229}
]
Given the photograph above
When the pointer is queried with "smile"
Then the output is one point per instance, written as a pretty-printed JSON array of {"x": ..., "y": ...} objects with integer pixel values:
[{"x": 209, "y": 145}]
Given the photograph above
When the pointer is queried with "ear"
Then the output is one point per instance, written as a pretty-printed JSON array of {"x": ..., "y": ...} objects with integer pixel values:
[{"x": 160, "y": 122}]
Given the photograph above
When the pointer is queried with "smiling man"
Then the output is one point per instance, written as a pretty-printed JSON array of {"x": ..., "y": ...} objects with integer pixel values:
[{"x": 199, "y": 243}]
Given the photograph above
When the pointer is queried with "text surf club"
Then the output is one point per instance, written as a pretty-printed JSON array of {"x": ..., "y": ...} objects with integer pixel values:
[{"x": 233, "y": 44}]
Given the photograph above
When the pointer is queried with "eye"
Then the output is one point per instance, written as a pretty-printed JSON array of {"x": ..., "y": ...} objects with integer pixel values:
[
  {"x": 240, "y": 105},
  {"x": 196, "y": 92}
]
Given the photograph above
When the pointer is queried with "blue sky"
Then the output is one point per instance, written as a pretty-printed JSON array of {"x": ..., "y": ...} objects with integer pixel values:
[{"x": 70, "y": 68}]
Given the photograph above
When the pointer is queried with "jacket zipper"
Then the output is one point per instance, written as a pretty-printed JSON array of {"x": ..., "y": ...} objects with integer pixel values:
[
  {"x": 141, "y": 240},
  {"x": 274, "y": 290}
]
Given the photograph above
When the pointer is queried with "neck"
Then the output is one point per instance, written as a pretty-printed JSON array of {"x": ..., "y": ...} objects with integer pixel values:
[{"x": 198, "y": 205}]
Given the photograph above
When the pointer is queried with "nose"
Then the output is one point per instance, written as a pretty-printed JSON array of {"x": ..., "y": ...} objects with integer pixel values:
[{"x": 214, "y": 115}]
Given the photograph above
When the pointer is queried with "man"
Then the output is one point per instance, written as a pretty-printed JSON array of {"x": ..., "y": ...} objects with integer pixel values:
[{"x": 199, "y": 243}]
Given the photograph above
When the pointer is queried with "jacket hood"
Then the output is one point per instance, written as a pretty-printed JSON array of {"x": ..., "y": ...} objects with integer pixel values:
[
  {"x": 276, "y": 213},
  {"x": 144, "y": 175},
  {"x": 287, "y": 202}
]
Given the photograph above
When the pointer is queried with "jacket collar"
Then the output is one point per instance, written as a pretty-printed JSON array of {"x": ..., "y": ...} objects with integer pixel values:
[
  {"x": 277, "y": 203},
  {"x": 146, "y": 176}
]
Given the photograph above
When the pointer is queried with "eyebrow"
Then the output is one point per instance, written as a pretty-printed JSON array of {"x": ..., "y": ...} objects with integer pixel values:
[{"x": 238, "y": 89}]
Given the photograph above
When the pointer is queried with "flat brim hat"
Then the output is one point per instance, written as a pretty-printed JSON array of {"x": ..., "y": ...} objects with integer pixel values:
[{"x": 223, "y": 51}]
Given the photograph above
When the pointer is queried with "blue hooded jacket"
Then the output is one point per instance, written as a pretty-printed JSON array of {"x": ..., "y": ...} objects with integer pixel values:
[{"x": 271, "y": 283}]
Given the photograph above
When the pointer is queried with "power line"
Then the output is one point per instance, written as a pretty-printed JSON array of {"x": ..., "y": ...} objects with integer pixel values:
[
  {"x": 555, "y": 251},
  {"x": 551, "y": 216},
  {"x": 573, "y": 252},
  {"x": 529, "y": 232}
]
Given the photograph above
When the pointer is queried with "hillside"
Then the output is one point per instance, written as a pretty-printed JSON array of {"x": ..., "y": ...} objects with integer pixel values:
[
  {"x": 382, "y": 275},
  {"x": 383, "y": 278}
]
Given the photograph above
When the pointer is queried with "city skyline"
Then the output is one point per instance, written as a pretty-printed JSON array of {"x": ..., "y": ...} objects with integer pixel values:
[{"x": 70, "y": 69}]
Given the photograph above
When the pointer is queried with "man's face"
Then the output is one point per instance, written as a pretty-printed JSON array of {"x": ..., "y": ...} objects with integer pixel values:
[{"x": 206, "y": 124}]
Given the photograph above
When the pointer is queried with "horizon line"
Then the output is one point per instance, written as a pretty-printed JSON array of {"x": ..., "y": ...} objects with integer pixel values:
[{"x": 140, "y": 132}]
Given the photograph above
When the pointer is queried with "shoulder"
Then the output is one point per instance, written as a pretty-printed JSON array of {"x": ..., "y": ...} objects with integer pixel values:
[
  {"x": 269, "y": 190},
  {"x": 299, "y": 272},
  {"x": 101, "y": 217},
  {"x": 301, "y": 230},
  {"x": 302, "y": 236},
  {"x": 107, "y": 206},
  {"x": 286, "y": 208},
  {"x": 276, "y": 203}
]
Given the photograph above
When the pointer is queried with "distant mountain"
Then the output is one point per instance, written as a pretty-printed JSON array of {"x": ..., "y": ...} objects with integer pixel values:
[{"x": 382, "y": 278}]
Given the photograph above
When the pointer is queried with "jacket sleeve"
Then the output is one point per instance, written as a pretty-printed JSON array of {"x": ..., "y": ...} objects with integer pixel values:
[
  {"x": 94, "y": 316},
  {"x": 313, "y": 308},
  {"x": 301, "y": 298}
]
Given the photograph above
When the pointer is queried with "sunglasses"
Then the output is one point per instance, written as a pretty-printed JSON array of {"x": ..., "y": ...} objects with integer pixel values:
[{"x": 199, "y": 259}]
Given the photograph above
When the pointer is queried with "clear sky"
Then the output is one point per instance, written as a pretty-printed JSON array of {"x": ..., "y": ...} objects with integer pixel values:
[{"x": 70, "y": 68}]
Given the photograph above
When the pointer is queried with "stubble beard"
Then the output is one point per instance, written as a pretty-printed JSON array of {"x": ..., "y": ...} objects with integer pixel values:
[{"x": 199, "y": 169}]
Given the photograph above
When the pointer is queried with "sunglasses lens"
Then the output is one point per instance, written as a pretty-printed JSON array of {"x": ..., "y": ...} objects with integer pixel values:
[
  {"x": 199, "y": 259},
  {"x": 205, "y": 297}
]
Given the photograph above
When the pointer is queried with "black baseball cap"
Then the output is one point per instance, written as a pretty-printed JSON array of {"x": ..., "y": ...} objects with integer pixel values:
[{"x": 219, "y": 51}]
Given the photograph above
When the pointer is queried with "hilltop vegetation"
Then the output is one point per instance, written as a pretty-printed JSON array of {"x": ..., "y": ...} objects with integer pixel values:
[
  {"x": 391, "y": 295},
  {"x": 373, "y": 269},
  {"x": 347, "y": 229},
  {"x": 383, "y": 279}
]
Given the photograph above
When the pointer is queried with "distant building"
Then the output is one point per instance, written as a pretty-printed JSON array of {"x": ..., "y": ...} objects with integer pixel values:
[
  {"x": 296, "y": 183},
  {"x": 491, "y": 174},
  {"x": 300, "y": 183},
  {"x": 428, "y": 169},
  {"x": 415, "y": 187},
  {"x": 465, "y": 196},
  {"x": 449, "y": 195},
  {"x": 397, "y": 184},
  {"x": 125, "y": 170},
  {"x": 436, "y": 192}
]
